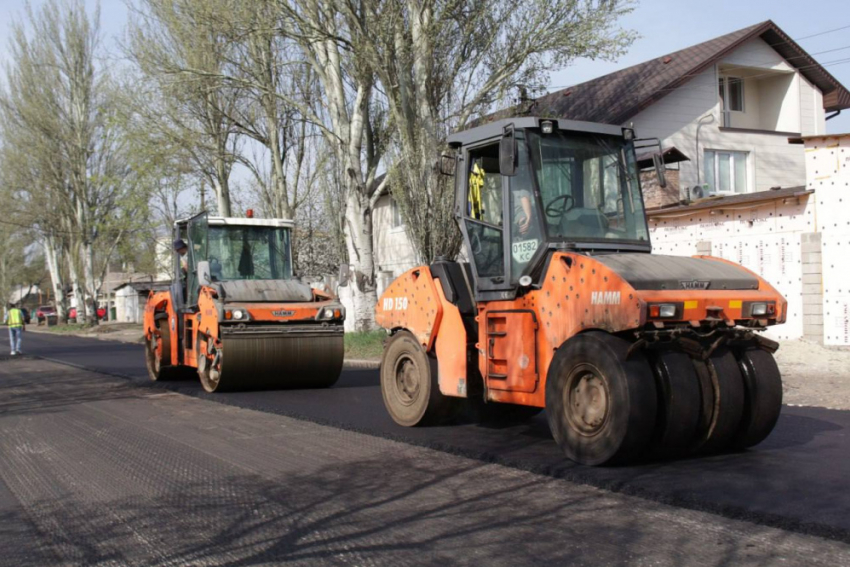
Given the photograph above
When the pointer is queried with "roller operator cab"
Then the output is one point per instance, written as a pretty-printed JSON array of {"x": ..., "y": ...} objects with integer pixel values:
[
  {"x": 562, "y": 306},
  {"x": 235, "y": 314}
]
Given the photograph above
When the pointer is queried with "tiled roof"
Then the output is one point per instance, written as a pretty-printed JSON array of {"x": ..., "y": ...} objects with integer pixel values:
[{"x": 618, "y": 96}]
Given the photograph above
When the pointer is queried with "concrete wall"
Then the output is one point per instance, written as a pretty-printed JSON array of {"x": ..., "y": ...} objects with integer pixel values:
[
  {"x": 812, "y": 294},
  {"x": 828, "y": 167},
  {"x": 772, "y": 162}
]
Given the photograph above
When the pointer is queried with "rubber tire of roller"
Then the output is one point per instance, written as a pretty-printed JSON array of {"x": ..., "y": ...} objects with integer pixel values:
[
  {"x": 499, "y": 413},
  {"x": 166, "y": 373},
  {"x": 728, "y": 403},
  {"x": 630, "y": 389},
  {"x": 762, "y": 396},
  {"x": 429, "y": 406},
  {"x": 679, "y": 403}
]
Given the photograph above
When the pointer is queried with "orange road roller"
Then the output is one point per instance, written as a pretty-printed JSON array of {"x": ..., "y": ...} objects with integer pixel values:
[
  {"x": 562, "y": 306},
  {"x": 235, "y": 314}
]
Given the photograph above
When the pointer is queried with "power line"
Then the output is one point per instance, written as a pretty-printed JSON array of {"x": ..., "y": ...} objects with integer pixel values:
[{"x": 822, "y": 33}]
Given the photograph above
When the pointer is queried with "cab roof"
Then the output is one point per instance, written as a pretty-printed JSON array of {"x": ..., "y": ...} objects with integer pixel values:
[
  {"x": 244, "y": 221},
  {"x": 496, "y": 129}
]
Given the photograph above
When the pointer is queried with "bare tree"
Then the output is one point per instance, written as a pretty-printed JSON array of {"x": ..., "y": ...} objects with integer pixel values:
[
  {"x": 67, "y": 157},
  {"x": 441, "y": 63},
  {"x": 188, "y": 112}
]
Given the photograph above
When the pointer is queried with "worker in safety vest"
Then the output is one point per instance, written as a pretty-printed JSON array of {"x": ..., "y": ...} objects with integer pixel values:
[{"x": 15, "y": 320}]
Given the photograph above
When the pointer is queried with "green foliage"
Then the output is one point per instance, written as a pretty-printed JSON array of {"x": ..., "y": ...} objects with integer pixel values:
[{"x": 365, "y": 345}]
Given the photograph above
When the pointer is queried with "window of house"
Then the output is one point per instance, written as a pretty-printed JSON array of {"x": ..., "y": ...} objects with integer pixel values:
[
  {"x": 726, "y": 172},
  {"x": 732, "y": 93},
  {"x": 396, "y": 219}
]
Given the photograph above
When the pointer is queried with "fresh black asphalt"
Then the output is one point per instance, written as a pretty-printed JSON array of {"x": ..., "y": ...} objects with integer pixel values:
[{"x": 798, "y": 479}]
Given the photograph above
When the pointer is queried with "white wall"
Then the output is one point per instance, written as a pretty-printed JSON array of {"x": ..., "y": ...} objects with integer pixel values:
[
  {"x": 772, "y": 161},
  {"x": 128, "y": 308},
  {"x": 394, "y": 253},
  {"x": 828, "y": 171},
  {"x": 780, "y": 103},
  {"x": 763, "y": 237}
]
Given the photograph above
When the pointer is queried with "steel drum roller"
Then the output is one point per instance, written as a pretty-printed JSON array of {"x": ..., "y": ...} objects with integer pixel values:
[{"x": 261, "y": 361}]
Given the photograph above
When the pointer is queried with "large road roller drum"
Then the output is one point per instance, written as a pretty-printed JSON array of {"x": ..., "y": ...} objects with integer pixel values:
[{"x": 273, "y": 361}]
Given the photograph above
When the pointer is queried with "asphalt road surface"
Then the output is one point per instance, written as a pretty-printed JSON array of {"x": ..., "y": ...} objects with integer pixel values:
[
  {"x": 96, "y": 470},
  {"x": 798, "y": 479}
]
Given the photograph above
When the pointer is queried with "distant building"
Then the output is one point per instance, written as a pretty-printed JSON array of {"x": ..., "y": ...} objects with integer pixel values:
[{"x": 130, "y": 299}]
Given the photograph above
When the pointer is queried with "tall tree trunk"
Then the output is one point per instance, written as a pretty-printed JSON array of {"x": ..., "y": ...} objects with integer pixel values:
[
  {"x": 76, "y": 288},
  {"x": 90, "y": 282},
  {"x": 51, "y": 255},
  {"x": 358, "y": 240},
  {"x": 222, "y": 195}
]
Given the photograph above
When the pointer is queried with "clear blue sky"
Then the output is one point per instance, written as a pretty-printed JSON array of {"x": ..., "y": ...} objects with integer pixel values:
[{"x": 664, "y": 26}]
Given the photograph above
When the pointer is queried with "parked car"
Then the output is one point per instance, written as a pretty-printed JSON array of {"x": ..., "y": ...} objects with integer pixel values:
[
  {"x": 43, "y": 312},
  {"x": 101, "y": 313}
]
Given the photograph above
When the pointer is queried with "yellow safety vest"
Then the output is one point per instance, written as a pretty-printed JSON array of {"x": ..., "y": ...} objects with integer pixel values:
[
  {"x": 16, "y": 318},
  {"x": 476, "y": 183}
]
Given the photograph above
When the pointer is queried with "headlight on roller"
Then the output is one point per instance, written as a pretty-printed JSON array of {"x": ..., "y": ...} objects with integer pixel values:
[
  {"x": 663, "y": 310},
  {"x": 763, "y": 309},
  {"x": 330, "y": 313},
  {"x": 237, "y": 315}
]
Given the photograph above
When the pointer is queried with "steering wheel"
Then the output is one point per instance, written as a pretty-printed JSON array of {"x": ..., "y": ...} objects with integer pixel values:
[{"x": 559, "y": 206}]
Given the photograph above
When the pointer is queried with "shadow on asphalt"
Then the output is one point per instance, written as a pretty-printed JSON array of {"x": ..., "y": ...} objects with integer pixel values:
[
  {"x": 795, "y": 480},
  {"x": 364, "y": 512}
]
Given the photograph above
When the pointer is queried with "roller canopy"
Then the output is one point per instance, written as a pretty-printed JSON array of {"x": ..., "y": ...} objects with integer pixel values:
[
  {"x": 265, "y": 290},
  {"x": 651, "y": 271}
]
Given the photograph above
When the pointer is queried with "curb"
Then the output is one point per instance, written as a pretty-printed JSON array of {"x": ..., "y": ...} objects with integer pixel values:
[
  {"x": 361, "y": 364},
  {"x": 96, "y": 336}
]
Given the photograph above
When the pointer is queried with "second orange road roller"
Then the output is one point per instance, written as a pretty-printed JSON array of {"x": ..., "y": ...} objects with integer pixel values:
[
  {"x": 235, "y": 314},
  {"x": 561, "y": 305}
]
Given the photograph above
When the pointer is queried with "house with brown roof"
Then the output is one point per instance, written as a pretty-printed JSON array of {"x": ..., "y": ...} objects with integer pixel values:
[{"x": 728, "y": 104}]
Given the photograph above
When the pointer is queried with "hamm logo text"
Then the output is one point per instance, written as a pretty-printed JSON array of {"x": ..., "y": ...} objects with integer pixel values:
[{"x": 605, "y": 297}]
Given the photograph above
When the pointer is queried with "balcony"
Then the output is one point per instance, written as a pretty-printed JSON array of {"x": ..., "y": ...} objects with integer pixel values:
[{"x": 758, "y": 100}]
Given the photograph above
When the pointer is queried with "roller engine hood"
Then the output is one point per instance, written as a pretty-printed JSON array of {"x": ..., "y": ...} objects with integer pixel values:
[
  {"x": 265, "y": 291},
  {"x": 653, "y": 271}
]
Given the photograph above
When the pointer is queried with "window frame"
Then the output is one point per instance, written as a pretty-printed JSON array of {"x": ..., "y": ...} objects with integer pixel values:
[
  {"x": 397, "y": 223},
  {"x": 725, "y": 81},
  {"x": 732, "y": 164},
  {"x": 484, "y": 284}
]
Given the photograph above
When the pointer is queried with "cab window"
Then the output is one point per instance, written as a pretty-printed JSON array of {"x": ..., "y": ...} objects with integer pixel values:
[{"x": 484, "y": 223}]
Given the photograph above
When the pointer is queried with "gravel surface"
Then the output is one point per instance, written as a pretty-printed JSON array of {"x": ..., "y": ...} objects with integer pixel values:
[
  {"x": 814, "y": 375},
  {"x": 96, "y": 470}
]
